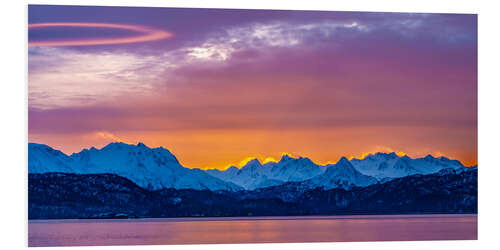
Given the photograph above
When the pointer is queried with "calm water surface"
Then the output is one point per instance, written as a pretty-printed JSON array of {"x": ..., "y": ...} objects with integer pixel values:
[{"x": 251, "y": 230}]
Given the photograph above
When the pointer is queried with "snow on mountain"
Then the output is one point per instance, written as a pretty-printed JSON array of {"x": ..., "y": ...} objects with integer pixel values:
[
  {"x": 251, "y": 176},
  {"x": 340, "y": 175},
  {"x": 379, "y": 167},
  {"x": 295, "y": 169},
  {"x": 156, "y": 168},
  {"x": 255, "y": 175},
  {"x": 385, "y": 166},
  {"x": 225, "y": 175},
  {"x": 42, "y": 159},
  {"x": 151, "y": 168}
]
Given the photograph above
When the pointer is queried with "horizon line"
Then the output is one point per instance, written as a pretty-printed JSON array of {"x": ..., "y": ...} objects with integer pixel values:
[{"x": 251, "y": 158}]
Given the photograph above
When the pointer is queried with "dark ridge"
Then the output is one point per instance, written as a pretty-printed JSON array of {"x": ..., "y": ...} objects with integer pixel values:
[{"x": 78, "y": 196}]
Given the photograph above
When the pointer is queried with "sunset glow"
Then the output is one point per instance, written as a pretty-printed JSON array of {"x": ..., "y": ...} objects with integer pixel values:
[{"x": 219, "y": 88}]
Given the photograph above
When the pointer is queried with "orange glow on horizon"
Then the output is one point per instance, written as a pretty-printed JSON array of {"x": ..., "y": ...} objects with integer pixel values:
[
  {"x": 265, "y": 160},
  {"x": 149, "y": 34},
  {"x": 269, "y": 159},
  {"x": 366, "y": 154},
  {"x": 245, "y": 161},
  {"x": 261, "y": 159},
  {"x": 237, "y": 147},
  {"x": 377, "y": 149}
]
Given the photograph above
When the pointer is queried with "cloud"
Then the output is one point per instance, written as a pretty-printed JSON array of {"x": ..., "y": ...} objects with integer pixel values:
[
  {"x": 110, "y": 137},
  {"x": 148, "y": 34},
  {"x": 270, "y": 51},
  {"x": 326, "y": 74},
  {"x": 221, "y": 45},
  {"x": 62, "y": 77}
]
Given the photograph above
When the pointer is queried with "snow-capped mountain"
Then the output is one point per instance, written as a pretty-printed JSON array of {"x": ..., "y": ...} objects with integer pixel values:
[
  {"x": 295, "y": 169},
  {"x": 157, "y": 168},
  {"x": 251, "y": 176},
  {"x": 151, "y": 168},
  {"x": 389, "y": 165},
  {"x": 43, "y": 159},
  {"x": 255, "y": 175},
  {"x": 340, "y": 175},
  {"x": 379, "y": 167}
]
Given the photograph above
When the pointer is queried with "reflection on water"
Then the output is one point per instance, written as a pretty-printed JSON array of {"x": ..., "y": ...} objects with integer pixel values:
[{"x": 251, "y": 230}]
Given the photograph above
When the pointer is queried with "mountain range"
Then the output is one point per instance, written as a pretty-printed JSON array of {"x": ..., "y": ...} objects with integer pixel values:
[
  {"x": 150, "y": 168},
  {"x": 158, "y": 168}
]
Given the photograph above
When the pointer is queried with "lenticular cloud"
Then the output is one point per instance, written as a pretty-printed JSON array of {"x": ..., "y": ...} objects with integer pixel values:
[{"x": 148, "y": 34}]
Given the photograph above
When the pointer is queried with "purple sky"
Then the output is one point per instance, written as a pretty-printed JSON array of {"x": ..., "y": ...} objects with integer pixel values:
[{"x": 232, "y": 84}]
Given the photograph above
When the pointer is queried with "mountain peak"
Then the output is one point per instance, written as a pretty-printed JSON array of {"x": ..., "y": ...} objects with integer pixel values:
[
  {"x": 232, "y": 168},
  {"x": 252, "y": 164},
  {"x": 123, "y": 145},
  {"x": 115, "y": 145},
  {"x": 254, "y": 161},
  {"x": 444, "y": 158},
  {"x": 383, "y": 155},
  {"x": 34, "y": 144},
  {"x": 343, "y": 162},
  {"x": 405, "y": 157},
  {"x": 429, "y": 157},
  {"x": 286, "y": 157}
]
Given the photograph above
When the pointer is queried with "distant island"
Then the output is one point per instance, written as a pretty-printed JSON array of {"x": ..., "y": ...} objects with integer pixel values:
[{"x": 135, "y": 181}]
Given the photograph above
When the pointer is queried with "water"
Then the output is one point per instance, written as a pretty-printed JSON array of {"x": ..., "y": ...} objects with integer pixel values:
[{"x": 251, "y": 230}]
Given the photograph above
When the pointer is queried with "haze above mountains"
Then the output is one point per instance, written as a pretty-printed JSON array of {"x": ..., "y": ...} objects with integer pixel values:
[{"x": 158, "y": 168}]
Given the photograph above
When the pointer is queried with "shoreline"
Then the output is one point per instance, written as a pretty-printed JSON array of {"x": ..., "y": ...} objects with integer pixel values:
[{"x": 258, "y": 218}]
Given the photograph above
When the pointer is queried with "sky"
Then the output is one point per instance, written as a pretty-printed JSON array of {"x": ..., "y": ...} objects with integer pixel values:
[{"x": 218, "y": 87}]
